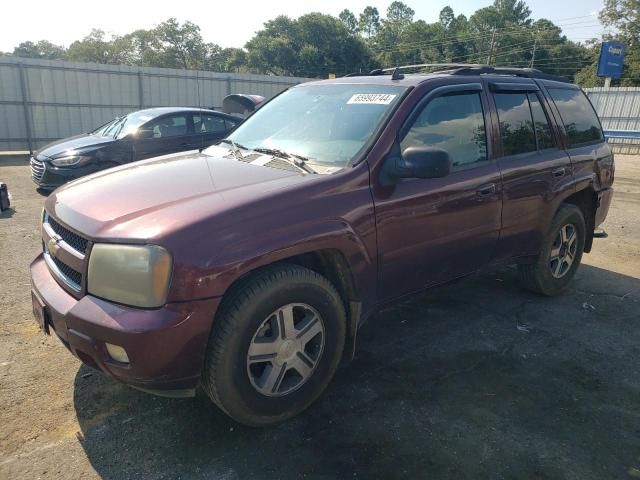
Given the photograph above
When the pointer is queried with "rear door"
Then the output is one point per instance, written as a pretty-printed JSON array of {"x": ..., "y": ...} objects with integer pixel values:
[
  {"x": 171, "y": 133},
  {"x": 584, "y": 139},
  {"x": 535, "y": 168},
  {"x": 208, "y": 128},
  {"x": 432, "y": 230}
]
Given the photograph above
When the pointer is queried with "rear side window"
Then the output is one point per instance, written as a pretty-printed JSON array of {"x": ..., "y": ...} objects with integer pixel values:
[
  {"x": 579, "y": 118},
  {"x": 541, "y": 123},
  {"x": 208, "y": 124},
  {"x": 454, "y": 123},
  {"x": 516, "y": 124}
]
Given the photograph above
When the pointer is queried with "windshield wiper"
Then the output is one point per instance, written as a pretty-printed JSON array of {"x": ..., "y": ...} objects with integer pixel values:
[
  {"x": 293, "y": 158},
  {"x": 235, "y": 148}
]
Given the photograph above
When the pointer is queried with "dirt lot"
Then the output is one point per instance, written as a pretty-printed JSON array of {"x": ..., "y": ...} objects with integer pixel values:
[{"x": 473, "y": 380}]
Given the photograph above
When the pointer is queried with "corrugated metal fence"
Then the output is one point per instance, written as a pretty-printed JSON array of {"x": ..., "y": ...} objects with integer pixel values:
[
  {"x": 44, "y": 100},
  {"x": 619, "y": 109}
]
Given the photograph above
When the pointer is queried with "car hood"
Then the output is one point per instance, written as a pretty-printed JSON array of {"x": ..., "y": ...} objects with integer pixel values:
[
  {"x": 153, "y": 198},
  {"x": 80, "y": 143}
]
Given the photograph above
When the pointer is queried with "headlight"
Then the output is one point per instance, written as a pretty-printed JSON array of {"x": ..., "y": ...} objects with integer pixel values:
[
  {"x": 70, "y": 161},
  {"x": 136, "y": 275}
]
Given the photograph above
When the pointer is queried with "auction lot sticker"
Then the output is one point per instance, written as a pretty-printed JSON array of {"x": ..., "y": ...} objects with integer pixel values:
[{"x": 371, "y": 99}]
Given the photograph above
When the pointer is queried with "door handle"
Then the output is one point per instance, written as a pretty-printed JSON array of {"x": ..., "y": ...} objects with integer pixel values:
[
  {"x": 559, "y": 172},
  {"x": 486, "y": 190}
]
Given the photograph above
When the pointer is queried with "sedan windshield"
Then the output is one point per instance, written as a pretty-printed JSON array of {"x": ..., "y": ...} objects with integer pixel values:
[
  {"x": 122, "y": 126},
  {"x": 324, "y": 124}
]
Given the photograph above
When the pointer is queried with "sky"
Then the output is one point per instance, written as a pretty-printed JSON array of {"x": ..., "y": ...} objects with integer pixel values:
[{"x": 232, "y": 23}]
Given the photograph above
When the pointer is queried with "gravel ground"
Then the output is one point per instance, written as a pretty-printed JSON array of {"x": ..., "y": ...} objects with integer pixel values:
[{"x": 474, "y": 380}]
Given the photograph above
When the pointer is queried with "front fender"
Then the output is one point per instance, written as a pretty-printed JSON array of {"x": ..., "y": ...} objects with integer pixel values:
[{"x": 230, "y": 262}]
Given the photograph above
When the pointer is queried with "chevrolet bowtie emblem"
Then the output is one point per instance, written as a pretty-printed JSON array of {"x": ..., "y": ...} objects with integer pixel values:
[{"x": 52, "y": 245}]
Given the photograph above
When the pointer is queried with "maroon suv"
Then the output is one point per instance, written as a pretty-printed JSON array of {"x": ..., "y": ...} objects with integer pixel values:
[{"x": 247, "y": 268}]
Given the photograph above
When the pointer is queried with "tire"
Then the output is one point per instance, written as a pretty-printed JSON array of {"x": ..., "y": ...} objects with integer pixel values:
[
  {"x": 545, "y": 276},
  {"x": 252, "y": 318}
]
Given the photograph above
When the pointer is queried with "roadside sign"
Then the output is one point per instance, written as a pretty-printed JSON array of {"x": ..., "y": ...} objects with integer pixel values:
[{"x": 611, "y": 59}]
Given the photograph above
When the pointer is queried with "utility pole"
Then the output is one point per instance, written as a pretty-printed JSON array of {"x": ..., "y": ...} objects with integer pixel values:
[
  {"x": 491, "y": 46},
  {"x": 533, "y": 54}
]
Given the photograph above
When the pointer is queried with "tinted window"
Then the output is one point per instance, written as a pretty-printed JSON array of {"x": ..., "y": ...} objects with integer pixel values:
[
  {"x": 230, "y": 124},
  {"x": 208, "y": 124},
  {"x": 171, "y": 126},
  {"x": 454, "y": 123},
  {"x": 541, "y": 123},
  {"x": 580, "y": 121},
  {"x": 516, "y": 125}
]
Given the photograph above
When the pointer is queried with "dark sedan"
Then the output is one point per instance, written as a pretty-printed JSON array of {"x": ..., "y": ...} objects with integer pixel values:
[{"x": 136, "y": 136}]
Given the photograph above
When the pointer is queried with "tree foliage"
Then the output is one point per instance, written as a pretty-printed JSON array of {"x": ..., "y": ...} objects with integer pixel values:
[
  {"x": 313, "y": 45},
  {"x": 503, "y": 33},
  {"x": 41, "y": 49}
]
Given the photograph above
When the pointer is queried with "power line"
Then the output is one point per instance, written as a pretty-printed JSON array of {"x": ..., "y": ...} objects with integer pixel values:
[{"x": 472, "y": 37}]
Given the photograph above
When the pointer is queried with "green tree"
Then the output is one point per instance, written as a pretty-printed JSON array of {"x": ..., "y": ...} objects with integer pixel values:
[
  {"x": 41, "y": 49},
  {"x": 181, "y": 46},
  {"x": 369, "y": 21},
  {"x": 93, "y": 48},
  {"x": 624, "y": 16},
  {"x": 446, "y": 17},
  {"x": 400, "y": 13},
  {"x": 313, "y": 45},
  {"x": 350, "y": 21}
]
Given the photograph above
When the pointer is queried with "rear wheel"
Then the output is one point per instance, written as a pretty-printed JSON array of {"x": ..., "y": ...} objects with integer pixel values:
[
  {"x": 275, "y": 345},
  {"x": 560, "y": 256}
]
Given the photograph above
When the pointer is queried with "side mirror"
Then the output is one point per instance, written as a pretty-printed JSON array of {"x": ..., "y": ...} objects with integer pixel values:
[{"x": 416, "y": 162}]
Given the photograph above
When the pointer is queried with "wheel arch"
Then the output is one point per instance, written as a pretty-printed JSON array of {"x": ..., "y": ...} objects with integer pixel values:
[{"x": 330, "y": 262}]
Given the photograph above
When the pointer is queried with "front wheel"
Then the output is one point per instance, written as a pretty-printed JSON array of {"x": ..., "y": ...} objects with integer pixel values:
[
  {"x": 275, "y": 345},
  {"x": 560, "y": 256}
]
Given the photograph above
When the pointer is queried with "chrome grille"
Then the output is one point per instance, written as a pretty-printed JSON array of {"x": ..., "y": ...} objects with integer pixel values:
[
  {"x": 67, "y": 271},
  {"x": 74, "y": 240},
  {"x": 37, "y": 169},
  {"x": 64, "y": 254}
]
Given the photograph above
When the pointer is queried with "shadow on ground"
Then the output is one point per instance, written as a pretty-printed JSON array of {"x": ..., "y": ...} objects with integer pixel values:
[
  {"x": 474, "y": 380},
  {"x": 8, "y": 213}
]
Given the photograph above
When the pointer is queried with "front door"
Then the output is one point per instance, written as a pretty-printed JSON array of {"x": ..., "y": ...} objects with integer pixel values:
[
  {"x": 169, "y": 134},
  {"x": 433, "y": 230}
]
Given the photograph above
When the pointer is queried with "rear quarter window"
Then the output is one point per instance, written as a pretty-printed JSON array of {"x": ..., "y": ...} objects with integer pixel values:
[{"x": 580, "y": 120}]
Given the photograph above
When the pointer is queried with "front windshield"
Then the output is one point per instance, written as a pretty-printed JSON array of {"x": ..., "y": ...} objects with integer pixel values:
[
  {"x": 328, "y": 124},
  {"x": 123, "y": 126}
]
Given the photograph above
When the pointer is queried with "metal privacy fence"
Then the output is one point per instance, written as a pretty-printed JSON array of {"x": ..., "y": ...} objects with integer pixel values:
[
  {"x": 44, "y": 100},
  {"x": 619, "y": 111}
]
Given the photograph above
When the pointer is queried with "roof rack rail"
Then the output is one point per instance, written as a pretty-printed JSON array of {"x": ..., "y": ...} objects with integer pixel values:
[
  {"x": 466, "y": 69},
  {"x": 447, "y": 66},
  {"x": 517, "y": 72}
]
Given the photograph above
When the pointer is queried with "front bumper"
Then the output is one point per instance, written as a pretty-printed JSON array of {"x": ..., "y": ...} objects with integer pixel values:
[
  {"x": 48, "y": 177},
  {"x": 604, "y": 202},
  {"x": 166, "y": 346}
]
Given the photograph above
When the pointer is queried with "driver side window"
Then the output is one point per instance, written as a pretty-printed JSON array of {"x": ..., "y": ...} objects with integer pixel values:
[
  {"x": 454, "y": 123},
  {"x": 170, "y": 126}
]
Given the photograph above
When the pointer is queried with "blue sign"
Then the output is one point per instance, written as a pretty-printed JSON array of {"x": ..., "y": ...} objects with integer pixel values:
[{"x": 611, "y": 59}]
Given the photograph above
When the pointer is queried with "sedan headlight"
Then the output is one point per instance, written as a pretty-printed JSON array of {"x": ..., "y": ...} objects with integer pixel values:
[
  {"x": 136, "y": 275},
  {"x": 70, "y": 161}
]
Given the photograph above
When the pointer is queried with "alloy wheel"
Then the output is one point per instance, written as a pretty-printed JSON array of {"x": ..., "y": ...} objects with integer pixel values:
[
  {"x": 563, "y": 251},
  {"x": 285, "y": 349}
]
